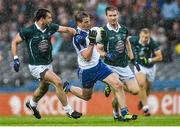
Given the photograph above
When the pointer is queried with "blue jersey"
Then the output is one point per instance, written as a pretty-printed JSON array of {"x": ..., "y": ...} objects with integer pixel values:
[
  {"x": 81, "y": 42},
  {"x": 92, "y": 70}
]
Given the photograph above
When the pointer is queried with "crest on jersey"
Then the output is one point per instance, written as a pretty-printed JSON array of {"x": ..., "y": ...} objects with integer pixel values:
[{"x": 43, "y": 46}]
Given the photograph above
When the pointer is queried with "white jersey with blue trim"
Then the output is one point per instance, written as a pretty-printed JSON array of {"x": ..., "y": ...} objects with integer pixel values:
[{"x": 81, "y": 42}]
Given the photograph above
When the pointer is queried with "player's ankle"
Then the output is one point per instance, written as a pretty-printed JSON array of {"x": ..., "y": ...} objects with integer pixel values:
[
  {"x": 33, "y": 103},
  {"x": 116, "y": 114},
  {"x": 68, "y": 109},
  {"x": 145, "y": 108}
]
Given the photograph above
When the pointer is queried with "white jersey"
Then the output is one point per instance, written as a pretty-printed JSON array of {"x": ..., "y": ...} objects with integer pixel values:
[{"x": 81, "y": 42}]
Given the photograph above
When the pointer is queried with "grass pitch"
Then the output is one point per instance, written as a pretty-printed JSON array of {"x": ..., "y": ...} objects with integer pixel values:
[{"x": 88, "y": 121}]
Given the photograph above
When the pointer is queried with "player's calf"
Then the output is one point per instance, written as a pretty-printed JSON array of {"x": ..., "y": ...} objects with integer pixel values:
[{"x": 140, "y": 105}]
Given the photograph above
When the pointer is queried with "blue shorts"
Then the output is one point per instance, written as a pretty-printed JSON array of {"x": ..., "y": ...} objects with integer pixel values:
[{"x": 90, "y": 76}]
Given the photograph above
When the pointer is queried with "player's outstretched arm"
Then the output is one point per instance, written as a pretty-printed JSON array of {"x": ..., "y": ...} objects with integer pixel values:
[
  {"x": 100, "y": 49},
  {"x": 16, "y": 40},
  {"x": 69, "y": 30},
  {"x": 158, "y": 57},
  {"x": 129, "y": 49}
]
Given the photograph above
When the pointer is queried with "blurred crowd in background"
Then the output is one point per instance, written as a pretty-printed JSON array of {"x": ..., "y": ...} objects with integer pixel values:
[{"x": 161, "y": 16}]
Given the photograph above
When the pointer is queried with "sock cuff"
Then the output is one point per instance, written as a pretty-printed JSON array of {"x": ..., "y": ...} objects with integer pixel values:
[
  {"x": 145, "y": 107},
  {"x": 32, "y": 103},
  {"x": 116, "y": 114},
  {"x": 68, "y": 109},
  {"x": 124, "y": 111}
]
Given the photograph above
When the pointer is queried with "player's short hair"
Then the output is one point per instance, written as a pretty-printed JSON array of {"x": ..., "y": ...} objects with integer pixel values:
[
  {"x": 111, "y": 8},
  {"x": 80, "y": 15},
  {"x": 41, "y": 13},
  {"x": 145, "y": 30}
]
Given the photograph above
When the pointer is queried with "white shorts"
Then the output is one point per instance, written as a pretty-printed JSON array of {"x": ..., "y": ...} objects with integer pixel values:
[
  {"x": 125, "y": 73},
  {"x": 36, "y": 70},
  {"x": 149, "y": 72}
]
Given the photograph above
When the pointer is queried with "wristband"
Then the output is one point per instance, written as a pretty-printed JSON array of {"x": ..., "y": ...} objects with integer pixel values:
[
  {"x": 15, "y": 57},
  {"x": 150, "y": 60}
]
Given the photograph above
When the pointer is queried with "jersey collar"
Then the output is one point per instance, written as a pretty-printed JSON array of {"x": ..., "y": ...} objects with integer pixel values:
[
  {"x": 111, "y": 28},
  {"x": 39, "y": 27}
]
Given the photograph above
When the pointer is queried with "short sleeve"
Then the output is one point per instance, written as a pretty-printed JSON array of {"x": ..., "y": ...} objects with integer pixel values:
[
  {"x": 132, "y": 39},
  {"x": 54, "y": 27},
  {"x": 155, "y": 46},
  {"x": 80, "y": 42},
  {"x": 25, "y": 33}
]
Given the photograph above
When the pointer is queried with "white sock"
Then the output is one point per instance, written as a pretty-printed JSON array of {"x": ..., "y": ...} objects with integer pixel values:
[
  {"x": 32, "y": 103},
  {"x": 145, "y": 108},
  {"x": 68, "y": 109},
  {"x": 116, "y": 114}
]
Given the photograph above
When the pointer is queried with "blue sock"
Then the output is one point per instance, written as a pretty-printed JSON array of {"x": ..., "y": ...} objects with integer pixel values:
[
  {"x": 69, "y": 87},
  {"x": 124, "y": 111}
]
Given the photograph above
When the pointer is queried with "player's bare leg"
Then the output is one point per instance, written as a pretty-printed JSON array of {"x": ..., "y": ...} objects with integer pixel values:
[
  {"x": 117, "y": 86},
  {"x": 141, "y": 78},
  {"x": 57, "y": 82},
  {"x": 117, "y": 116},
  {"x": 148, "y": 89},
  {"x": 84, "y": 93},
  {"x": 40, "y": 91},
  {"x": 132, "y": 86},
  {"x": 38, "y": 94}
]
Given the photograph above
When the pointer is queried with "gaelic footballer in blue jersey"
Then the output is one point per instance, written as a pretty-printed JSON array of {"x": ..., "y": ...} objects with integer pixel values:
[{"x": 91, "y": 68}]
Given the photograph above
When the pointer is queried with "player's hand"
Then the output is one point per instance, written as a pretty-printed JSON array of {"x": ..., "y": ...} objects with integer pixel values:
[
  {"x": 133, "y": 61},
  {"x": 144, "y": 60},
  {"x": 110, "y": 56},
  {"x": 16, "y": 64},
  {"x": 103, "y": 33},
  {"x": 92, "y": 36}
]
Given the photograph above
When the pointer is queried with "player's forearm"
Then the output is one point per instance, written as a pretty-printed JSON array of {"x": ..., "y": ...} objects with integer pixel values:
[
  {"x": 17, "y": 39},
  {"x": 67, "y": 30},
  {"x": 129, "y": 50},
  {"x": 130, "y": 55},
  {"x": 14, "y": 48},
  {"x": 158, "y": 57},
  {"x": 100, "y": 50},
  {"x": 71, "y": 30},
  {"x": 87, "y": 54},
  {"x": 155, "y": 59}
]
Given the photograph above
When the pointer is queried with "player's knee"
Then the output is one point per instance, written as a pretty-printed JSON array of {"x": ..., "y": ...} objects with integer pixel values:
[
  {"x": 58, "y": 82},
  {"x": 117, "y": 85},
  {"x": 135, "y": 91},
  {"x": 142, "y": 85}
]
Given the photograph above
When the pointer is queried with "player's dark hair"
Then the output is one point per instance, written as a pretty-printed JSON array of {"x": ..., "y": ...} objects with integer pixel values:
[
  {"x": 41, "y": 13},
  {"x": 80, "y": 15},
  {"x": 145, "y": 30},
  {"x": 111, "y": 8}
]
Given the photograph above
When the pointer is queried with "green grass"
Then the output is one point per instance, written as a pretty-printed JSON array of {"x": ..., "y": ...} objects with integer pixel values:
[{"x": 88, "y": 120}]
